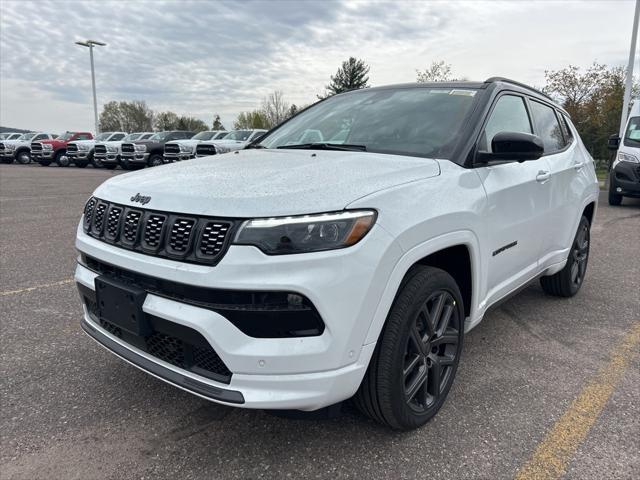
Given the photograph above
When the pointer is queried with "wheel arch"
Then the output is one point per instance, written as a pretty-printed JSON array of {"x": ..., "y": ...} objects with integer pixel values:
[
  {"x": 462, "y": 246},
  {"x": 589, "y": 211}
]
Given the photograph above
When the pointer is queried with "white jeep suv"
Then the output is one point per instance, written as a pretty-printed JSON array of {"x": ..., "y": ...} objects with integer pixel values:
[{"x": 295, "y": 275}]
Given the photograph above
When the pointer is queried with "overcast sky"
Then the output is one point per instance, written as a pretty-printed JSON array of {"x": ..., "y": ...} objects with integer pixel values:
[{"x": 204, "y": 57}]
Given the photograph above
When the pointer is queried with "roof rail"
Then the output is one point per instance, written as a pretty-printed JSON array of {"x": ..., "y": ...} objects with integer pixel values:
[{"x": 508, "y": 80}]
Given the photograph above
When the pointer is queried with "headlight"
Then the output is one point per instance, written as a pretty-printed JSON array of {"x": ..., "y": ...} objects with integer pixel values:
[
  {"x": 140, "y": 148},
  {"x": 47, "y": 146},
  {"x": 83, "y": 147},
  {"x": 307, "y": 233},
  {"x": 112, "y": 148},
  {"x": 185, "y": 148},
  {"x": 627, "y": 157}
]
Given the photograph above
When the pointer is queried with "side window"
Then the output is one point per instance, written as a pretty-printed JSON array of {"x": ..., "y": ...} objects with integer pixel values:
[
  {"x": 41, "y": 136},
  {"x": 508, "y": 115},
  {"x": 548, "y": 127},
  {"x": 566, "y": 129}
]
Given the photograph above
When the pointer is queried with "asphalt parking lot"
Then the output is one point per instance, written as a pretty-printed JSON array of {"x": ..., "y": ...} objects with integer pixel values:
[{"x": 541, "y": 379}]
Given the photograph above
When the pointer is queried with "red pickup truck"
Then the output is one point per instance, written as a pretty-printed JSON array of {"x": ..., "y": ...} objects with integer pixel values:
[{"x": 45, "y": 152}]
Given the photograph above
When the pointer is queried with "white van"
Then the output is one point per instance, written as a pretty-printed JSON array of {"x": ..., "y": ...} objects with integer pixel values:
[{"x": 624, "y": 180}]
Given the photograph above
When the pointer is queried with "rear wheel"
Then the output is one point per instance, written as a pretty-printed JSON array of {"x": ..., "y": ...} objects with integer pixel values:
[
  {"x": 155, "y": 160},
  {"x": 568, "y": 281},
  {"x": 62, "y": 160},
  {"x": 417, "y": 356},
  {"x": 23, "y": 157}
]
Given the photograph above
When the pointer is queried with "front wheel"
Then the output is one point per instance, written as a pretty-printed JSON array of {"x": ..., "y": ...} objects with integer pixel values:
[
  {"x": 23, "y": 158},
  {"x": 615, "y": 199},
  {"x": 62, "y": 160},
  {"x": 417, "y": 356},
  {"x": 568, "y": 281},
  {"x": 155, "y": 161}
]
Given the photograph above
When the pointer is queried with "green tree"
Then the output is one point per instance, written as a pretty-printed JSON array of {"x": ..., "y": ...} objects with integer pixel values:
[
  {"x": 352, "y": 75},
  {"x": 134, "y": 116},
  {"x": 217, "y": 123},
  {"x": 166, "y": 121},
  {"x": 191, "y": 123},
  {"x": 251, "y": 120},
  {"x": 593, "y": 99},
  {"x": 437, "y": 72}
]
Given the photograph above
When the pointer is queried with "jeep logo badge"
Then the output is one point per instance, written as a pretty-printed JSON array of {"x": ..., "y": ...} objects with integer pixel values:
[{"x": 143, "y": 199}]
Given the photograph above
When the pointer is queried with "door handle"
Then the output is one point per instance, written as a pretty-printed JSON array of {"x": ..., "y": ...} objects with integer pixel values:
[
  {"x": 578, "y": 166},
  {"x": 543, "y": 176}
]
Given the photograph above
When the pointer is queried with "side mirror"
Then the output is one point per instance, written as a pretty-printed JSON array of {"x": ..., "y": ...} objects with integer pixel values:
[
  {"x": 516, "y": 146},
  {"x": 614, "y": 142}
]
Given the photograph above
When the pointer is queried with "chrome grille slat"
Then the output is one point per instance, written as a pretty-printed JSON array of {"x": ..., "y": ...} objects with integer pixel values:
[{"x": 189, "y": 239}]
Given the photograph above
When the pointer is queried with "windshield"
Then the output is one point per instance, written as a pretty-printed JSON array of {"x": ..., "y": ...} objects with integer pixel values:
[
  {"x": 221, "y": 135},
  {"x": 241, "y": 135},
  {"x": 204, "y": 136},
  {"x": 131, "y": 137},
  {"x": 65, "y": 136},
  {"x": 632, "y": 135},
  {"x": 160, "y": 136},
  {"x": 412, "y": 121},
  {"x": 26, "y": 136},
  {"x": 103, "y": 136},
  {"x": 4, "y": 136}
]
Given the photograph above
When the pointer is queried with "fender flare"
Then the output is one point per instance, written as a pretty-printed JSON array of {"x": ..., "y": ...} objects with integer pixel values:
[{"x": 409, "y": 258}]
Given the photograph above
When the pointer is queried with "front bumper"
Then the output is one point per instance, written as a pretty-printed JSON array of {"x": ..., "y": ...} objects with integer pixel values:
[
  {"x": 135, "y": 157},
  {"x": 625, "y": 179},
  {"x": 304, "y": 373},
  {"x": 36, "y": 156},
  {"x": 106, "y": 158},
  {"x": 78, "y": 156},
  {"x": 177, "y": 157},
  {"x": 8, "y": 155}
]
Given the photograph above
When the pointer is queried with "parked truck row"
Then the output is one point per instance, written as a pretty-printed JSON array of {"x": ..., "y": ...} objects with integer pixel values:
[{"x": 127, "y": 150}]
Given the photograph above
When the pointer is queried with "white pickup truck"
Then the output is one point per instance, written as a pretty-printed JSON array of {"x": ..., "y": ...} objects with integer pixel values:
[
  {"x": 185, "y": 149},
  {"x": 298, "y": 273},
  {"x": 81, "y": 152},
  {"x": 107, "y": 154},
  {"x": 235, "y": 140},
  {"x": 19, "y": 149}
]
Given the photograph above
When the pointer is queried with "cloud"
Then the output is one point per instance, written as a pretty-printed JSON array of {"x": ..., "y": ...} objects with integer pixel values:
[{"x": 201, "y": 58}]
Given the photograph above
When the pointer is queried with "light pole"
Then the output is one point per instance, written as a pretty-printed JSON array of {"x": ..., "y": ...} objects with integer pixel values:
[
  {"x": 627, "y": 86},
  {"x": 90, "y": 44}
]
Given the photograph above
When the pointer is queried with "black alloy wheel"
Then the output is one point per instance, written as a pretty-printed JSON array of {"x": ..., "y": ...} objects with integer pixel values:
[{"x": 431, "y": 351}]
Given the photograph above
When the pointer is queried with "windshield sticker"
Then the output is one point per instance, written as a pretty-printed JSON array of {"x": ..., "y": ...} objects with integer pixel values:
[{"x": 466, "y": 93}]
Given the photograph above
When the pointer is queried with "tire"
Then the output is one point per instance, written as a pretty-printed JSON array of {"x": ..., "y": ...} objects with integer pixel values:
[
  {"x": 400, "y": 388},
  {"x": 110, "y": 166},
  {"x": 155, "y": 160},
  {"x": 8, "y": 161},
  {"x": 62, "y": 160},
  {"x": 82, "y": 164},
  {"x": 23, "y": 157},
  {"x": 614, "y": 198},
  {"x": 124, "y": 164},
  {"x": 567, "y": 282}
]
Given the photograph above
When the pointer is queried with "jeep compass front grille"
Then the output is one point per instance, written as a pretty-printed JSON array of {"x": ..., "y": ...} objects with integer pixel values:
[{"x": 189, "y": 239}]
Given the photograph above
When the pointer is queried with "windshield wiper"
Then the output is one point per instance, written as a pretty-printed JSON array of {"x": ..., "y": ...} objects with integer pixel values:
[{"x": 345, "y": 147}]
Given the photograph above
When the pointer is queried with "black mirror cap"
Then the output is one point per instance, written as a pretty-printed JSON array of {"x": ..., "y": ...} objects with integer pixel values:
[
  {"x": 614, "y": 142},
  {"x": 513, "y": 146}
]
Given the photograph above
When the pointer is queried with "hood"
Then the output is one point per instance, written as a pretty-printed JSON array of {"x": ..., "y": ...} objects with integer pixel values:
[
  {"x": 264, "y": 183},
  {"x": 16, "y": 142},
  {"x": 83, "y": 142}
]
